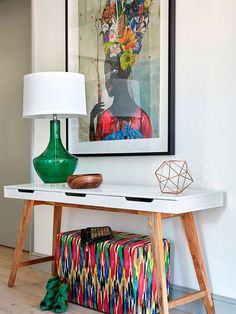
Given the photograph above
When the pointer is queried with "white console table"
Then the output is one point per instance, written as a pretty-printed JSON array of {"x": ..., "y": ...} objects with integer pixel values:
[{"x": 138, "y": 200}]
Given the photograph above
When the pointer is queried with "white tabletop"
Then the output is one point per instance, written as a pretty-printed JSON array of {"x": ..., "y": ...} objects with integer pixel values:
[{"x": 147, "y": 198}]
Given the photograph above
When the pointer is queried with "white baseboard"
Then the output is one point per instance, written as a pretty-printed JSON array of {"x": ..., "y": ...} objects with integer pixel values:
[
  {"x": 44, "y": 267},
  {"x": 223, "y": 305}
]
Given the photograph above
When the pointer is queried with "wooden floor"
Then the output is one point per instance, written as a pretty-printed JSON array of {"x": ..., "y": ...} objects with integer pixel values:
[{"x": 25, "y": 296}]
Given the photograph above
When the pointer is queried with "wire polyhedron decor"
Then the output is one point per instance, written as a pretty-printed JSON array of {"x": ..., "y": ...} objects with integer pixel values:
[{"x": 173, "y": 176}]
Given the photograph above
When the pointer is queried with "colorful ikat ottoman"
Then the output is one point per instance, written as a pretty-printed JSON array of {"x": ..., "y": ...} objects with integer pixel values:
[{"x": 115, "y": 276}]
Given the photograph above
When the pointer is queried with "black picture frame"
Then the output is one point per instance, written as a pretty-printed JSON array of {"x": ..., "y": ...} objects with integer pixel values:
[{"x": 171, "y": 91}]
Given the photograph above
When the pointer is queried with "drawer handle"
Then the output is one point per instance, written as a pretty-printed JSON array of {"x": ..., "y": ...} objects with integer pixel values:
[
  {"x": 75, "y": 194},
  {"x": 25, "y": 191},
  {"x": 139, "y": 199}
]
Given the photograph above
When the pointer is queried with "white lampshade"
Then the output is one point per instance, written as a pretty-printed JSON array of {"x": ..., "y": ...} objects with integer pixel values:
[{"x": 49, "y": 93}]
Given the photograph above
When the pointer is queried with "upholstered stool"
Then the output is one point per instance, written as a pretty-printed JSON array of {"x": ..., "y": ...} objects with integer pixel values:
[{"x": 114, "y": 276}]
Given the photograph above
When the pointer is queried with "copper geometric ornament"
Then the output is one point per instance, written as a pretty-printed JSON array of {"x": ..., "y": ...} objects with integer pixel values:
[{"x": 173, "y": 176}]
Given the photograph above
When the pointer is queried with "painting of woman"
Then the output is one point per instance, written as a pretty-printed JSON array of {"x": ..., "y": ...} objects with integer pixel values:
[
  {"x": 123, "y": 25},
  {"x": 125, "y": 49}
]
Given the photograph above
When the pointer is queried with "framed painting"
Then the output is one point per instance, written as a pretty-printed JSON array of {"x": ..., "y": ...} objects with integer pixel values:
[{"x": 126, "y": 50}]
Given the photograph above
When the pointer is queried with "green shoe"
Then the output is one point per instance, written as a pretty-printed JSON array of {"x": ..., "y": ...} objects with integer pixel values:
[
  {"x": 61, "y": 300},
  {"x": 52, "y": 288}
]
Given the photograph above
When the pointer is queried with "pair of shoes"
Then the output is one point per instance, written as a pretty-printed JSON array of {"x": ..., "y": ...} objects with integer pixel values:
[{"x": 56, "y": 297}]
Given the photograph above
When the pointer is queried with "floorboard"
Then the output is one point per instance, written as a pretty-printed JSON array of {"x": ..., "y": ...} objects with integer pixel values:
[{"x": 25, "y": 296}]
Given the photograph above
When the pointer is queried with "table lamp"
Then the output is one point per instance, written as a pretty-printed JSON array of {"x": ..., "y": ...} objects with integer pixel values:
[{"x": 54, "y": 95}]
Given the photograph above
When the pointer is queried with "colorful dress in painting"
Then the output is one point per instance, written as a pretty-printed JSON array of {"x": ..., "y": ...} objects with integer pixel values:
[{"x": 110, "y": 127}]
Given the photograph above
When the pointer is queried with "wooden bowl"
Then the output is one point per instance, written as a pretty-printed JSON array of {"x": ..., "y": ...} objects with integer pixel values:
[{"x": 85, "y": 181}]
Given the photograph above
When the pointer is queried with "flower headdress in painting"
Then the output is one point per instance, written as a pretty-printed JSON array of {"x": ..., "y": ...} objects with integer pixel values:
[{"x": 123, "y": 24}]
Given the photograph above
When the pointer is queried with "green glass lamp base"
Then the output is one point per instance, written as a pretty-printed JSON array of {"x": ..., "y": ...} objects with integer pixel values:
[{"x": 55, "y": 164}]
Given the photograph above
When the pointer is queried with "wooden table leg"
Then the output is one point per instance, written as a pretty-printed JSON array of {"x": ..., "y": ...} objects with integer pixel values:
[
  {"x": 158, "y": 256},
  {"x": 190, "y": 230},
  {"x": 56, "y": 230},
  {"x": 22, "y": 232}
]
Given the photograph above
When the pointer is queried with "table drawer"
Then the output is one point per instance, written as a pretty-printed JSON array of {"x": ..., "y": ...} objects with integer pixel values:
[
  {"x": 135, "y": 203},
  {"x": 68, "y": 197}
]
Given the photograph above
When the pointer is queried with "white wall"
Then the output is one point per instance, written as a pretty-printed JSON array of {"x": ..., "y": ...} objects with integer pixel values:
[{"x": 205, "y": 137}]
